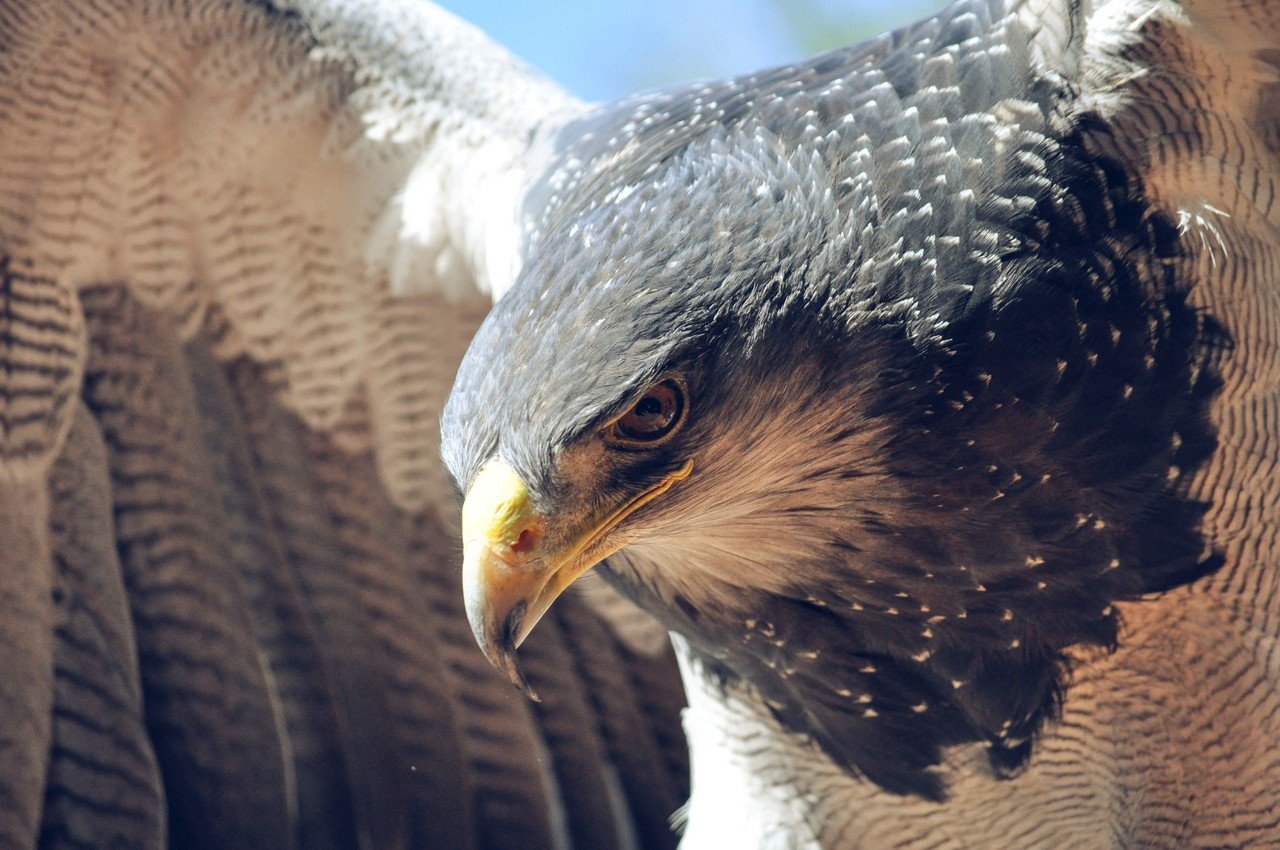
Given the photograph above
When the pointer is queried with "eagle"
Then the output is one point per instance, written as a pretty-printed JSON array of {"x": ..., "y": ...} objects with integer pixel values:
[{"x": 928, "y": 393}]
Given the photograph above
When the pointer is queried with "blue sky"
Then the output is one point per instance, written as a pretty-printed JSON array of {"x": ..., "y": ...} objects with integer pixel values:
[{"x": 603, "y": 50}]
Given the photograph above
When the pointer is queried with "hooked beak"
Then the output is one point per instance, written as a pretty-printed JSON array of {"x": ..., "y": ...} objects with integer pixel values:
[{"x": 509, "y": 576}]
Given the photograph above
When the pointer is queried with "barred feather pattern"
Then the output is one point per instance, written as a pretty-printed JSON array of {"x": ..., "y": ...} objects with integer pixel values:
[
  {"x": 243, "y": 245},
  {"x": 224, "y": 159}
]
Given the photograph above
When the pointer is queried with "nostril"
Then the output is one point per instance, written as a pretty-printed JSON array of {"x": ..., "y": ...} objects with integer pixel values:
[{"x": 524, "y": 541}]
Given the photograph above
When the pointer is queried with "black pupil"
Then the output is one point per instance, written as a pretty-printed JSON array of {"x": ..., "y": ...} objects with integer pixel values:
[{"x": 648, "y": 407}]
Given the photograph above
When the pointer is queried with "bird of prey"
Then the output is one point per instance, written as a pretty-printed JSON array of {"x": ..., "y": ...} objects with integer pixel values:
[
  {"x": 929, "y": 393},
  {"x": 243, "y": 244}
]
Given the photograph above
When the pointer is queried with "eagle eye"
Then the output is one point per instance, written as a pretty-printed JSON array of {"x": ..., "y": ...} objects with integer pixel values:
[{"x": 653, "y": 416}]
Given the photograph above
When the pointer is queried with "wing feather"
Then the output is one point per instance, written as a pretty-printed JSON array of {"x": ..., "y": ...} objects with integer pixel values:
[
  {"x": 254, "y": 160},
  {"x": 103, "y": 782},
  {"x": 210, "y": 708},
  {"x": 1189, "y": 94},
  {"x": 243, "y": 245},
  {"x": 26, "y": 656}
]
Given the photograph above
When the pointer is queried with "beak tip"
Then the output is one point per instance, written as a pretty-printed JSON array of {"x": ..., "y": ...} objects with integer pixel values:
[
  {"x": 498, "y": 642},
  {"x": 503, "y": 658}
]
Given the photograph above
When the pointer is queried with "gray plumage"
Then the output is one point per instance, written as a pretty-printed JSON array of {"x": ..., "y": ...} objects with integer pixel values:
[
  {"x": 242, "y": 246},
  {"x": 967, "y": 528}
]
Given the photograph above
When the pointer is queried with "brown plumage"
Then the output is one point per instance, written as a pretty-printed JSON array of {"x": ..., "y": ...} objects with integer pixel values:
[{"x": 927, "y": 391}]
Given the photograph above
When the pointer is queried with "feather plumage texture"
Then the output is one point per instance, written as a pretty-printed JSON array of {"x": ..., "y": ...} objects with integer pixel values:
[
  {"x": 244, "y": 245},
  {"x": 942, "y": 293},
  {"x": 205, "y": 208},
  {"x": 1050, "y": 230},
  {"x": 1193, "y": 679},
  {"x": 104, "y": 783}
]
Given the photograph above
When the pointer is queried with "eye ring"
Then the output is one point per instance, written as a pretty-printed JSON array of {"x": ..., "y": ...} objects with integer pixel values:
[{"x": 653, "y": 417}]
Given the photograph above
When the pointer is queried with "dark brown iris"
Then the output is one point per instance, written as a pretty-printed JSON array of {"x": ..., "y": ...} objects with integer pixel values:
[{"x": 654, "y": 415}]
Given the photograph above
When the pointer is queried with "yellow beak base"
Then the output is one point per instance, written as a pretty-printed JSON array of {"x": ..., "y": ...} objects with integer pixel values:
[{"x": 509, "y": 580}]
